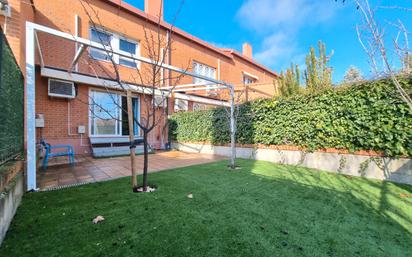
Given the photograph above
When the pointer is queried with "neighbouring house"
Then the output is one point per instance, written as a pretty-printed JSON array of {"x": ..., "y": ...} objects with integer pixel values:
[{"x": 69, "y": 119}]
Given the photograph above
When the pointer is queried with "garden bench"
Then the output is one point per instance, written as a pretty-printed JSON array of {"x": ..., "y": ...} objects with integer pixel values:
[{"x": 50, "y": 151}]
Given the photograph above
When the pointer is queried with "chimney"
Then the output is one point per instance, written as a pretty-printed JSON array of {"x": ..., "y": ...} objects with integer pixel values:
[
  {"x": 154, "y": 8},
  {"x": 247, "y": 50}
]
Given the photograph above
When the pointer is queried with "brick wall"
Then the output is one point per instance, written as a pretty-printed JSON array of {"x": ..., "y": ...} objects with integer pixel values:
[
  {"x": 62, "y": 117},
  {"x": 59, "y": 53},
  {"x": 14, "y": 28}
]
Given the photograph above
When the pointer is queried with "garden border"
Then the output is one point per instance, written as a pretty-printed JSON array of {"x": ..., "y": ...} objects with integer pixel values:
[
  {"x": 365, "y": 164},
  {"x": 10, "y": 196}
]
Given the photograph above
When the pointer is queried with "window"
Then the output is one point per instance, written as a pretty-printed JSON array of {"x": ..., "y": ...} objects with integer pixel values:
[
  {"x": 181, "y": 105},
  {"x": 127, "y": 47},
  {"x": 102, "y": 38},
  {"x": 248, "y": 80},
  {"x": 108, "y": 116},
  {"x": 105, "y": 113},
  {"x": 160, "y": 101},
  {"x": 199, "y": 107},
  {"x": 204, "y": 70},
  {"x": 116, "y": 43}
]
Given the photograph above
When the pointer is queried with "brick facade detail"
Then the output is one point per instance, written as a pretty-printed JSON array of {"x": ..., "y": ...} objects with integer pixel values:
[{"x": 63, "y": 116}]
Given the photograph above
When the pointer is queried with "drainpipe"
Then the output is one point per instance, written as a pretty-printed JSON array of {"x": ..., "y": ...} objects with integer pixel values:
[{"x": 76, "y": 33}]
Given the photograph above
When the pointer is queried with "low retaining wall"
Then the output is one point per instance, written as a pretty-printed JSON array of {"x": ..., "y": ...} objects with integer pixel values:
[
  {"x": 10, "y": 198},
  {"x": 397, "y": 170}
]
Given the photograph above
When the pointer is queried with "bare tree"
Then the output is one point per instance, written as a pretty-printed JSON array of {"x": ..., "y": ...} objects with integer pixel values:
[
  {"x": 372, "y": 37},
  {"x": 147, "y": 79}
]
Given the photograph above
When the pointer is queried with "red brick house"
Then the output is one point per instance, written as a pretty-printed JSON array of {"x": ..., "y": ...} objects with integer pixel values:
[{"x": 69, "y": 120}]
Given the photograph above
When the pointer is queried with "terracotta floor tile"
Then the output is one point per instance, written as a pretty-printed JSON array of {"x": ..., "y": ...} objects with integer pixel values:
[
  {"x": 88, "y": 169},
  {"x": 100, "y": 177},
  {"x": 87, "y": 180},
  {"x": 63, "y": 182},
  {"x": 51, "y": 183}
]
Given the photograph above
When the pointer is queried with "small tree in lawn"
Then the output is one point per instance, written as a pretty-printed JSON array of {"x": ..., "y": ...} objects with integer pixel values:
[
  {"x": 146, "y": 79},
  {"x": 352, "y": 75}
]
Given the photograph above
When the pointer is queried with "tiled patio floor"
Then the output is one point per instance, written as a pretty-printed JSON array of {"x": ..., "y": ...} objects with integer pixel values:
[{"x": 88, "y": 169}]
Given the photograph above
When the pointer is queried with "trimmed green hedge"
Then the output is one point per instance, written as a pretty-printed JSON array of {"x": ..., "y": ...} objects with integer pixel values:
[
  {"x": 12, "y": 104},
  {"x": 368, "y": 116}
]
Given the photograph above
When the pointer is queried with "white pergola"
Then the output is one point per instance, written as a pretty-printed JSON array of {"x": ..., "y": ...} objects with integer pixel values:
[{"x": 81, "y": 45}]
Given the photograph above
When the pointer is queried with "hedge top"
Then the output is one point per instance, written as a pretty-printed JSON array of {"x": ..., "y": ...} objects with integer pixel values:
[{"x": 366, "y": 116}]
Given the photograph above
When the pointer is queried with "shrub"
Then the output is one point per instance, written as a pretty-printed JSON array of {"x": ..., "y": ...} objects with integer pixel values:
[{"x": 367, "y": 116}]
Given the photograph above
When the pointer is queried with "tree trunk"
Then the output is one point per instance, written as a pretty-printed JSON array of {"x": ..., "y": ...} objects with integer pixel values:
[
  {"x": 145, "y": 160},
  {"x": 131, "y": 139}
]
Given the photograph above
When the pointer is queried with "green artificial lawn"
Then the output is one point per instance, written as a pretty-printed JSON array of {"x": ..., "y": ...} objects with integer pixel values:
[{"x": 263, "y": 209}]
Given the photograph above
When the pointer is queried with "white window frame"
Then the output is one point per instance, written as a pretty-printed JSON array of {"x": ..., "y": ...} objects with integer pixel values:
[
  {"x": 248, "y": 80},
  {"x": 137, "y": 52},
  {"x": 160, "y": 101},
  {"x": 176, "y": 104},
  {"x": 118, "y": 127},
  {"x": 119, "y": 122},
  {"x": 200, "y": 105},
  {"x": 115, "y": 46},
  {"x": 204, "y": 71},
  {"x": 98, "y": 50},
  {"x": 251, "y": 77}
]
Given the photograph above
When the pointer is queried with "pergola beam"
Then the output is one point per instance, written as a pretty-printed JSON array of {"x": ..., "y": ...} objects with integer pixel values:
[
  {"x": 189, "y": 85},
  {"x": 76, "y": 58},
  {"x": 199, "y": 89},
  {"x": 39, "y": 48}
]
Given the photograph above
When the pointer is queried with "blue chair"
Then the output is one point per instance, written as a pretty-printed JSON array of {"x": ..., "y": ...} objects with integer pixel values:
[{"x": 65, "y": 150}]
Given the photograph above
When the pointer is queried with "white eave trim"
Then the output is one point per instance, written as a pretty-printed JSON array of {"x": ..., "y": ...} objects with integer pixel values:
[
  {"x": 85, "y": 79},
  {"x": 250, "y": 75}
]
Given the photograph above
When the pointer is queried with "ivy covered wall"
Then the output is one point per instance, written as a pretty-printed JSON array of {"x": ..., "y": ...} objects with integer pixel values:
[{"x": 368, "y": 116}]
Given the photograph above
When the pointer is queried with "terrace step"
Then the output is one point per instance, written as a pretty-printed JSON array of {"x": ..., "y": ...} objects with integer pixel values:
[{"x": 114, "y": 146}]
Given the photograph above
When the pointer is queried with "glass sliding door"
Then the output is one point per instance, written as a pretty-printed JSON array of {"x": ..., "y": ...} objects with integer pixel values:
[
  {"x": 136, "y": 113},
  {"x": 125, "y": 119},
  {"x": 108, "y": 114}
]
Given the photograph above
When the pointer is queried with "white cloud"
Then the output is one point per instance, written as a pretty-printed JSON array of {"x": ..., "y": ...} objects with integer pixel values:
[
  {"x": 262, "y": 15},
  {"x": 280, "y": 50},
  {"x": 279, "y": 22},
  {"x": 274, "y": 47}
]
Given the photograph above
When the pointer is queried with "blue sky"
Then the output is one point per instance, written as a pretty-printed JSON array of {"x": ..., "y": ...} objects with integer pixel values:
[{"x": 281, "y": 31}]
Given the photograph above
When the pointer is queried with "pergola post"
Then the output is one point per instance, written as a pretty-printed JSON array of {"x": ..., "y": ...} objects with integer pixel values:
[
  {"x": 30, "y": 108},
  {"x": 232, "y": 127}
]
